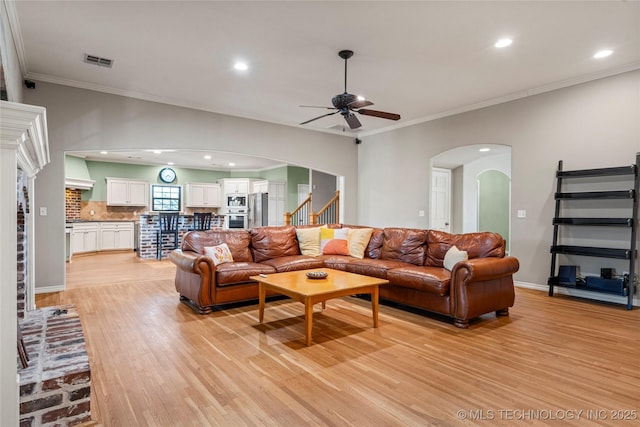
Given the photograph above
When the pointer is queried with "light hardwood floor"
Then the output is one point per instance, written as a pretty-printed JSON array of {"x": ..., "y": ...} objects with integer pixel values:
[{"x": 156, "y": 363}]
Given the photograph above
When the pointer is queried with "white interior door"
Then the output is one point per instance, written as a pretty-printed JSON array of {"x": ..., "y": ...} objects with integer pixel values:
[{"x": 440, "y": 200}]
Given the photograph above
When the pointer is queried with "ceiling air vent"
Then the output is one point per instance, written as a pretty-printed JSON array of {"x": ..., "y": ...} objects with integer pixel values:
[{"x": 96, "y": 60}]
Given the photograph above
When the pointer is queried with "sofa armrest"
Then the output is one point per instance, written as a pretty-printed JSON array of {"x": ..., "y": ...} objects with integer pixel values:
[
  {"x": 195, "y": 278},
  {"x": 481, "y": 269},
  {"x": 482, "y": 285}
]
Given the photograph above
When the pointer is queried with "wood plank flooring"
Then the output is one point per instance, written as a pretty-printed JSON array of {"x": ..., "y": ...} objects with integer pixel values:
[{"x": 156, "y": 363}]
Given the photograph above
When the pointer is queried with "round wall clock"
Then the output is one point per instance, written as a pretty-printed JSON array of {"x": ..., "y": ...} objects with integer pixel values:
[{"x": 167, "y": 175}]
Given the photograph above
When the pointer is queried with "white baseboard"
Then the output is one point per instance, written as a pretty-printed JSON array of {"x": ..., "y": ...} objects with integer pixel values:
[
  {"x": 617, "y": 299},
  {"x": 49, "y": 289}
]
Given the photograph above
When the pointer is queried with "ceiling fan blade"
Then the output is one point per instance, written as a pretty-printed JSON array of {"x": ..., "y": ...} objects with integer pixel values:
[
  {"x": 319, "y": 117},
  {"x": 352, "y": 120},
  {"x": 316, "y": 106},
  {"x": 381, "y": 114},
  {"x": 359, "y": 104}
]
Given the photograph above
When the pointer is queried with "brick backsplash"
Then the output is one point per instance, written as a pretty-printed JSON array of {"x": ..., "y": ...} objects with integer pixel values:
[{"x": 72, "y": 206}]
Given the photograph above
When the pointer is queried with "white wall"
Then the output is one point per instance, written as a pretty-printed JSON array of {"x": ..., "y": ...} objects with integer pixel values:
[
  {"x": 589, "y": 125},
  {"x": 84, "y": 120}
]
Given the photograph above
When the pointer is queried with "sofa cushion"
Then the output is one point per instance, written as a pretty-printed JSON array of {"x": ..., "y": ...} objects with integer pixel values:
[
  {"x": 375, "y": 241},
  {"x": 338, "y": 262},
  {"x": 434, "y": 280},
  {"x": 374, "y": 267},
  {"x": 454, "y": 256},
  {"x": 477, "y": 245},
  {"x": 233, "y": 273},
  {"x": 237, "y": 240},
  {"x": 219, "y": 253},
  {"x": 294, "y": 263},
  {"x": 333, "y": 241},
  {"x": 309, "y": 240},
  {"x": 358, "y": 239},
  {"x": 404, "y": 244},
  {"x": 273, "y": 242}
]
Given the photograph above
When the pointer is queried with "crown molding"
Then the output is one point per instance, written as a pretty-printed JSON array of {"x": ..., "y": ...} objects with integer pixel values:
[
  {"x": 24, "y": 128},
  {"x": 633, "y": 66}
]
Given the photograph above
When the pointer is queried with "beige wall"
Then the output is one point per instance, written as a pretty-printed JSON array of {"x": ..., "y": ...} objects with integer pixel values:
[
  {"x": 589, "y": 125},
  {"x": 84, "y": 120}
]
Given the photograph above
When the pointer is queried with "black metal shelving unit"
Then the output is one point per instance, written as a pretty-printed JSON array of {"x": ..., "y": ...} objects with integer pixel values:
[{"x": 630, "y": 222}]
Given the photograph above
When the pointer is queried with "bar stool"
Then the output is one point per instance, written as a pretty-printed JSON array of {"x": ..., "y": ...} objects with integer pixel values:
[
  {"x": 168, "y": 225},
  {"x": 201, "y": 221}
]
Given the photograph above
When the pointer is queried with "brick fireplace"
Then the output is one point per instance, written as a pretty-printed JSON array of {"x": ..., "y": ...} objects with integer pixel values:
[{"x": 55, "y": 390}]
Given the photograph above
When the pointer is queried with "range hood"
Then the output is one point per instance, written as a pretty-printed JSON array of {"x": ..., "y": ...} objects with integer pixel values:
[
  {"x": 78, "y": 184},
  {"x": 77, "y": 174}
]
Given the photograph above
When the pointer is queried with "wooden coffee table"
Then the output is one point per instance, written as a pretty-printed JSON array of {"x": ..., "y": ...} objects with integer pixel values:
[{"x": 297, "y": 286}]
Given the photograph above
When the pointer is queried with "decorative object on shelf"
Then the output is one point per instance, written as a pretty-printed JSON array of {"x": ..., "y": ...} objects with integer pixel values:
[
  {"x": 317, "y": 275},
  {"x": 623, "y": 189},
  {"x": 167, "y": 175}
]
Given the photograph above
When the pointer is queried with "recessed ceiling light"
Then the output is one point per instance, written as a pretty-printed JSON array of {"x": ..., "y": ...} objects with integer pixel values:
[
  {"x": 170, "y": 163},
  {"x": 602, "y": 53},
  {"x": 207, "y": 157},
  {"x": 241, "y": 66},
  {"x": 157, "y": 151},
  {"x": 232, "y": 164},
  {"x": 503, "y": 43},
  {"x": 103, "y": 152},
  {"x": 484, "y": 150}
]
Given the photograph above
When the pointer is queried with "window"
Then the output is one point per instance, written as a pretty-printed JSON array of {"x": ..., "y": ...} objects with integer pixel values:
[{"x": 166, "y": 198}]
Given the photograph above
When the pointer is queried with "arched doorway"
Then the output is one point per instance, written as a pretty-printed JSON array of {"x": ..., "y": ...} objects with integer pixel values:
[{"x": 466, "y": 164}]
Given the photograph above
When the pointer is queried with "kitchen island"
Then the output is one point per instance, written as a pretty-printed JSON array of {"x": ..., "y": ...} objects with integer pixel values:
[{"x": 149, "y": 226}]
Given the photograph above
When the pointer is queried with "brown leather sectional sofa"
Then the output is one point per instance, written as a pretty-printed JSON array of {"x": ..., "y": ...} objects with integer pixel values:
[{"x": 411, "y": 259}]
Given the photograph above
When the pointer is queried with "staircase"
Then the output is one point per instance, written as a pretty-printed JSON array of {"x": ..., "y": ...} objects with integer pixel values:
[{"x": 302, "y": 215}]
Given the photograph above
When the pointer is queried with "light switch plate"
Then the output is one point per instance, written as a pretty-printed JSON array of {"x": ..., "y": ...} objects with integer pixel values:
[
  {"x": 522, "y": 213},
  {"x": 43, "y": 211}
]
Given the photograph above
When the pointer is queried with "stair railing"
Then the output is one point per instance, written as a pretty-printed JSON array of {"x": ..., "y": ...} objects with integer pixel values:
[
  {"x": 330, "y": 213},
  {"x": 301, "y": 215}
]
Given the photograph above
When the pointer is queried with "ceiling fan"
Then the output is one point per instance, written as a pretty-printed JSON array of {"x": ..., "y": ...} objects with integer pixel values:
[{"x": 346, "y": 103}]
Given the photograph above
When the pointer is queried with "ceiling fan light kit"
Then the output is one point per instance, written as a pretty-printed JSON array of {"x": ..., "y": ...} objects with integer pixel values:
[{"x": 346, "y": 104}]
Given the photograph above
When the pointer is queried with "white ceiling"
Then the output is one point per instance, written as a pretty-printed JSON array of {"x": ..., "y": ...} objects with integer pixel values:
[{"x": 422, "y": 60}]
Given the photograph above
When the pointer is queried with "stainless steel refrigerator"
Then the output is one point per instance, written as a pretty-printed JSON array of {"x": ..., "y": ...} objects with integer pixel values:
[{"x": 258, "y": 210}]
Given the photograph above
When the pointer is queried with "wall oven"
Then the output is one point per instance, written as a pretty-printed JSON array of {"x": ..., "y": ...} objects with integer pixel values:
[{"x": 235, "y": 220}]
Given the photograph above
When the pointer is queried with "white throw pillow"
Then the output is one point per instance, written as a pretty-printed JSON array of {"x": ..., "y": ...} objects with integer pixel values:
[
  {"x": 453, "y": 256},
  {"x": 219, "y": 254}
]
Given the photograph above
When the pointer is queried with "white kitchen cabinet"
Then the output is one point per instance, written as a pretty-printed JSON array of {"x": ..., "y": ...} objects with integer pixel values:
[
  {"x": 116, "y": 235},
  {"x": 277, "y": 198},
  {"x": 202, "y": 195},
  {"x": 235, "y": 185},
  {"x": 127, "y": 192},
  {"x": 85, "y": 237},
  {"x": 260, "y": 186}
]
